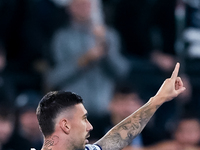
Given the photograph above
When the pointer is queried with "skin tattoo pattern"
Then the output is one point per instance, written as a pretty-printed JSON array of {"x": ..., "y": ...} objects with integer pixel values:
[
  {"x": 51, "y": 142},
  {"x": 129, "y": 129}
]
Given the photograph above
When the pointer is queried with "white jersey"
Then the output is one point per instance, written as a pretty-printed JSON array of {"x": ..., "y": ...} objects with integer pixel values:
[{"x": 92, "y": 147}]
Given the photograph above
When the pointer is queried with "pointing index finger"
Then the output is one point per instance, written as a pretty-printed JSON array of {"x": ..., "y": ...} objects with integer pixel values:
[{"x": 175, "y": 72}]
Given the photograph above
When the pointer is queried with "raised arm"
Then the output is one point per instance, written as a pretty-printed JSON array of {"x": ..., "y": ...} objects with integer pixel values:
[{"x": 123, "y": 133}]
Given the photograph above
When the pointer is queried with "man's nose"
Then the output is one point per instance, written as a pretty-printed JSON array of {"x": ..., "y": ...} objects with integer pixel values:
[{"x": 90, "y": 127}]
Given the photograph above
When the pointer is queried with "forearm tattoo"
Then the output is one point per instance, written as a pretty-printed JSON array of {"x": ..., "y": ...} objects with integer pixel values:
[
  {"x": 122, "y": 134},
  {"x": 50, "y": 142}
]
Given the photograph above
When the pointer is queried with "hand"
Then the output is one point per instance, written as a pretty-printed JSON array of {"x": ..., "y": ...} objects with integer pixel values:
[
  {"x": 171, "y": 87},
  {"x": 92, "y": 55},
  {"x": 99, "y": 32}
]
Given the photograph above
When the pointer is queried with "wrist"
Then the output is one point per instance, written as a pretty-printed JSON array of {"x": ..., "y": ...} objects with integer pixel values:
[{"x": 157, "y": 100}]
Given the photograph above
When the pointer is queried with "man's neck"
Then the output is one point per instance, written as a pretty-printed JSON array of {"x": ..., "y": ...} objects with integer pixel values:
[
  {"x": 57, "y": 142},
  {"x": 51, "y": 143}
]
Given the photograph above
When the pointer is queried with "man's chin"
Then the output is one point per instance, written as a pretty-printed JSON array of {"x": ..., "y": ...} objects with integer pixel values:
[
  {"x": 86, "y": 141},
  {"x": 81, "y": 148}
]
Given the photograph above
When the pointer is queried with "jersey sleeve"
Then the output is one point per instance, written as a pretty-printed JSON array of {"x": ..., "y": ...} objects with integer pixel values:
[{"x": 92, "y": 147}]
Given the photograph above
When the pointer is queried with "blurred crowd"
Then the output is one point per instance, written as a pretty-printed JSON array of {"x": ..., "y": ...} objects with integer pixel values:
[{"x": 114, "y": 53}]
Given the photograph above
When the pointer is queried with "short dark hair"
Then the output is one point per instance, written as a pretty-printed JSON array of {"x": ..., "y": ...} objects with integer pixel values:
[{"x": 51, "y": 105}]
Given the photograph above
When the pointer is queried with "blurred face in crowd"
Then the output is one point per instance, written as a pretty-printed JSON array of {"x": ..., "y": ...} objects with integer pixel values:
[
  {"x": 80, "y": 10},
  {"x": 188, "y": 132},
  {"x": 6, "y": 130},
  {"x": 29, "y": 124},
  {"x": 122, "y": 105}
]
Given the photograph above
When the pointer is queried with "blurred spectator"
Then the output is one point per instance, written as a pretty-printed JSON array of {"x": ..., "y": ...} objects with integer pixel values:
[
  {"x": 7, "y": 122},
  {"x": 27, "y": 134},
  {"x": 86, "y": 59},
  {"x": 147, "y": 28},
  {"x": 185, "y": 136}
]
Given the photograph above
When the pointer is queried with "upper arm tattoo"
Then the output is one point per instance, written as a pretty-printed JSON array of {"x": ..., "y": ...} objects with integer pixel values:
[{"x": 123, "y": 133}]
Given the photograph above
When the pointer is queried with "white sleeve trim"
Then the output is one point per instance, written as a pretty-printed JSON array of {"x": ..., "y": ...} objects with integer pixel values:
[{"x": 92, "y": 147}]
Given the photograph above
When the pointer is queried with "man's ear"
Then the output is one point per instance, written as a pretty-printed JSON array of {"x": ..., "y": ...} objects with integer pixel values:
[{"x": 65, "y": 125}]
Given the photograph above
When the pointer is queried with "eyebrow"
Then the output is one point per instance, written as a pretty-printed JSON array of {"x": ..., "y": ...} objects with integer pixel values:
[{"x": 85, "y": 115}]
